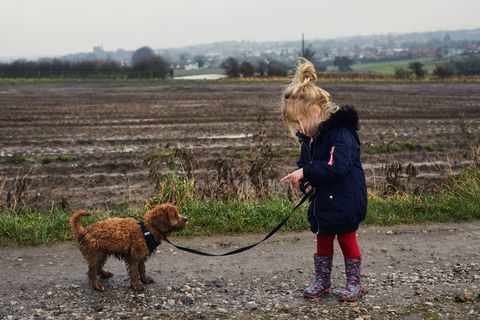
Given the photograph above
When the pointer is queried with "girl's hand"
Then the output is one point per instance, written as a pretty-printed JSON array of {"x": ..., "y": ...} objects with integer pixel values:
[{"x": 294, "y": 177}]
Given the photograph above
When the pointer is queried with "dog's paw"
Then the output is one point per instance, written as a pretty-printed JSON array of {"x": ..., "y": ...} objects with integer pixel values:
[
  {"x": 97, "y": 286},
  {"x": 147, "y": 280},
  {"x": 137, "y": 287}
]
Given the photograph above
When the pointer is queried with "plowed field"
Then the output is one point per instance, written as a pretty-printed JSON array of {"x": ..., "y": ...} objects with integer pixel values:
[{"x": 84, "y": 145}]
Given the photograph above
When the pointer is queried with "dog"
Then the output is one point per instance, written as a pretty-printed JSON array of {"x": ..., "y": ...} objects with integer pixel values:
[{"x": 125, "y": 239}]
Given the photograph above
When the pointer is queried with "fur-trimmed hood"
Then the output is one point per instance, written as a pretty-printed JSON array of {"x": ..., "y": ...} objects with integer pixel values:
[{"x": 346, "y": 116}]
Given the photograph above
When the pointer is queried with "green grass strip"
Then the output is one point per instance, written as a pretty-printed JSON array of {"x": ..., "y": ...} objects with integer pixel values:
[{"x": 458, "y": 201}]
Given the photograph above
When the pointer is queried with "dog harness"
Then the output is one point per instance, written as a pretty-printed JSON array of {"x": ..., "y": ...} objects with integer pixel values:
[{"x": 151, "y": 243}]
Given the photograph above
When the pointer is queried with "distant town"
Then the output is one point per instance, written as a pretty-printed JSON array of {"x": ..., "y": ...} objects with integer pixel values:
[
  {"x": 362, "y": 49},
  {"x": 248, "y": 58}
]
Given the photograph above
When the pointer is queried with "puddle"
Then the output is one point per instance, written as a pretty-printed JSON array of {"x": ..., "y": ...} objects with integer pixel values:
[
  {"x": 231, "y": 136},
  {"x": 202, "y": 77}
]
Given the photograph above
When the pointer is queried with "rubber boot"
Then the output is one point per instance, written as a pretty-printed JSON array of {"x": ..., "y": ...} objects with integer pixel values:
[
  {"x": 353, "y": 290},
  {"x": 321, "y": 285}
]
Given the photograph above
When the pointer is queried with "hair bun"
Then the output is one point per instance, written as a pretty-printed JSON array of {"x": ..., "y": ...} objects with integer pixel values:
[{"x": 306, "y": 73}]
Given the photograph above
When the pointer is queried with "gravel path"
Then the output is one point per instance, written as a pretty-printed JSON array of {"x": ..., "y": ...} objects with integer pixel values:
[{"x": 410, "y": 272}]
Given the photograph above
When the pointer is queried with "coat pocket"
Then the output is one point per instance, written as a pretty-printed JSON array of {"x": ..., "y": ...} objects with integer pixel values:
[{"x": 335, "y": 204}]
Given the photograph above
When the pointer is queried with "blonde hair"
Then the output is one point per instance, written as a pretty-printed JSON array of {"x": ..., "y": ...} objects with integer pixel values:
[{"x": 302, "y": 96}]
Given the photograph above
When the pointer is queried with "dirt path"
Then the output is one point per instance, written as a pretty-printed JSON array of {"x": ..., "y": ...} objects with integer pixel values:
[{"x": 410, "y": 272}]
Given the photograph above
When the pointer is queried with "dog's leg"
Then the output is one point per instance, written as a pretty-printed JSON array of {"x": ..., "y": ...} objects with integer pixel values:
[
  {"x": 133, "y": 265},
  {"x": 94, "y": 262},
  {"x": 103, "y": 273},
  {"x": 145, "y": 279}
]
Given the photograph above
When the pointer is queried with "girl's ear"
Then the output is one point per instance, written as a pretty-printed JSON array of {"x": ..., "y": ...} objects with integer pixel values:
[{"x": 317, "y": 113}]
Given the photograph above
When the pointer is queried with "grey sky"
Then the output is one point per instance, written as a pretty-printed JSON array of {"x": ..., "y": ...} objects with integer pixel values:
[{"x": 57, "y": 27}]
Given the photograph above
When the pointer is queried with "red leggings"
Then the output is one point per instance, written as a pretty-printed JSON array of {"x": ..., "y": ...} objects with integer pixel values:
[{"x": 348, "y": 243}]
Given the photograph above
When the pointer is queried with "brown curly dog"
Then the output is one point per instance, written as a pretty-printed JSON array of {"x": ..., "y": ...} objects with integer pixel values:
[{"x": 124, "y": 239}]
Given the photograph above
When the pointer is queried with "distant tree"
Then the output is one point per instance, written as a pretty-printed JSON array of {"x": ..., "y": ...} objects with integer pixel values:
[
  {"x": 343, "y": 63},
  {"x": 200, "y": 60},
  {"x": 277, "y": 68},
  {"x": 184, "y": 58},
  {"x": 444, "y": 70},
  {"x": 153, "y": 67},
  {"x": 468, "y": 66},
  {"x": 262, "y": 67},
  {"x": 246, "y": 69},
  {"x": 320, "y": 67},
  {"x": 402, "y": 73},
  {"x": 141, "y": 54},
  {"x": 417, "y": 69},
  {"x": 231, "y": 67},
  {"x": 308, "y": 53}
]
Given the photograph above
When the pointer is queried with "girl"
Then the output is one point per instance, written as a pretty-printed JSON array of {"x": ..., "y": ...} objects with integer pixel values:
[{"x": 330, "y": 160}]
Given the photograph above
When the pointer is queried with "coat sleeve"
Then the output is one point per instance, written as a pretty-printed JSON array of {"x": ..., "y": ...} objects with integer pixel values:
[
  {"x": 304, "y": 156},
  {"x": 342, "y": 146}
]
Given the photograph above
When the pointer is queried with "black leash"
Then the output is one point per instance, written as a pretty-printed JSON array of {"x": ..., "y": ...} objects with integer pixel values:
[{"x": 304, "y": 198}]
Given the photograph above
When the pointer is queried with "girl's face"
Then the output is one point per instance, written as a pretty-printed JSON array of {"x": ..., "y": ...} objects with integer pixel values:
[{"x": 308, "y": 124}]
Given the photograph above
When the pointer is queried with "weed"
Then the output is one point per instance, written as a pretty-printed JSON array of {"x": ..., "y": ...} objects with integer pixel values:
[
  {"x": 17, "y": 191},
  {"x": 261, "y": 167},
  {"x": 15, "y": 158},
  {"x": 295, "y": 153},
  {"x": 173, "y": 188},
  {"x": 393, "y": 147},
  {"x": 410, "y": 145},
  {"x": 251, "y": 171},
  {"x": 394, "y": 174},
  {"x": 3, "y": 182},
  {"x": 47, "y": 159},
  {"x": 431, "y": 147},
  {"x": 242, "y": 154},
  {"x": 63, "y": 158}
]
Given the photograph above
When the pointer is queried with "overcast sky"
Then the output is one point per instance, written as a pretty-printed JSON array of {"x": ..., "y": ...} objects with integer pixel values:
[{"x": 58, "y": 27}]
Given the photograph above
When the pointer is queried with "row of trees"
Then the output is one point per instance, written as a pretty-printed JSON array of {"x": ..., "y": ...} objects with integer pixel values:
[
  {"x": 235, "y": 69},
  {"x": 469, "y": 66},
  {"x": 144, "y": 64},
  {"x": 59, "y": 69}
]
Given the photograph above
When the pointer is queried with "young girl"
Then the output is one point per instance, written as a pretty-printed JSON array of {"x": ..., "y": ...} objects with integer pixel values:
[{"x": 330, "y": 160}]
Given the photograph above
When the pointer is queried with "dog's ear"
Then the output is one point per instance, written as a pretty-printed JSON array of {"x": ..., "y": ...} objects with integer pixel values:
[
  {"x": 159, "y": 218},
  {"x": 164, "y": 217},
  {"x": 172, "y": 212}
]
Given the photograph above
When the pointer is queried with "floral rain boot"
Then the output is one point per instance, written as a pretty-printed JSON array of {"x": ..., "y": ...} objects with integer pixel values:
[
  {"x": 353, "y": 291},
  {"x": 321, "y": 285}
]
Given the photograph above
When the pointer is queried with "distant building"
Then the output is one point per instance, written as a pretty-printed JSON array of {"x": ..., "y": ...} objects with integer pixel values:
[
  {"x": 450, "y": 52},
  {"x": 447, "y": 40},
  {"x": 191, "y": 66},
  {"x": 98, "y": 50}
]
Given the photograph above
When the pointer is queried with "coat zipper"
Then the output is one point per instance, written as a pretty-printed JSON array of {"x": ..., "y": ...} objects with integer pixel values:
[{"x": 311, "y": 156}]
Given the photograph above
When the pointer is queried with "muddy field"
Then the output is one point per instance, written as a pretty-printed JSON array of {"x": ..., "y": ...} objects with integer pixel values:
[{"x": 84, "y": 145}]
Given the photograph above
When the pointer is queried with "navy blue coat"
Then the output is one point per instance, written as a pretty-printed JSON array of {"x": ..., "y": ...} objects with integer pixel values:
[{"x": 331, "y": 162}]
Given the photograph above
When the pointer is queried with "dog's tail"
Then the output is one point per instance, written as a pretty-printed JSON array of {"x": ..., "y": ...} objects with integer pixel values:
[{"x": 75, "y": 225}]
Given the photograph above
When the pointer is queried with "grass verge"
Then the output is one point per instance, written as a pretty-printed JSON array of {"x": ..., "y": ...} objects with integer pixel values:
[{"x": 458, "y": 201}]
